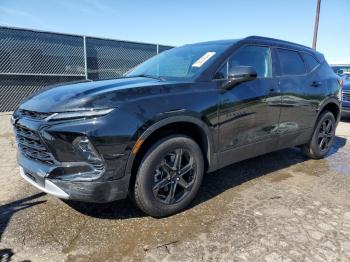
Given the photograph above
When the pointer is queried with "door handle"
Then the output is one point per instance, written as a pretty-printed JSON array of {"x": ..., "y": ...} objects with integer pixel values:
[{"x": 316, "y": 83}]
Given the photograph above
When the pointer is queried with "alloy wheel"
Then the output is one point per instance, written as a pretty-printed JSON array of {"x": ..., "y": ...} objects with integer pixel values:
[
  {"x": 325, "y": 135},
  {"x": 174, "y": 176}
]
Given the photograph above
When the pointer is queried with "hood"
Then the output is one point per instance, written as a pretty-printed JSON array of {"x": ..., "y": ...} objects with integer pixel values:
[{"x": 98, "y": 94}]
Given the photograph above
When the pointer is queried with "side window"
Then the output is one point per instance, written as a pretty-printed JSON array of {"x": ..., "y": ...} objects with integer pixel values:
[
  {"x": 310, "y": 61},
  {"x": 256, "y": 56},
  {"x": 290, "y": 62},
  {"x": 222, "y": 72}
]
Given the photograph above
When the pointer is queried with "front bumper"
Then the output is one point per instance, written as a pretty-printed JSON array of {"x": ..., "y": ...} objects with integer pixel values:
[
  {"x": 51, "y": 161},
  {"x": 47, "y": 186},
  {"x": 38, "y": 175}
]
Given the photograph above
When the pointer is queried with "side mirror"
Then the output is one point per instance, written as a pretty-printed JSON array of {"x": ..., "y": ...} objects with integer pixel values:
[{"x": 239, "y": 74}]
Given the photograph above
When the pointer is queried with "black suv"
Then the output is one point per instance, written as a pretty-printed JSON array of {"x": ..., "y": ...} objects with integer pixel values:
[{"x": 153, "y": 133}]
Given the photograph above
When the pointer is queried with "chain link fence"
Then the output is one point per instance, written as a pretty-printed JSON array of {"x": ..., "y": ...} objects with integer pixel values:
[{"x": 31, "y": 60}]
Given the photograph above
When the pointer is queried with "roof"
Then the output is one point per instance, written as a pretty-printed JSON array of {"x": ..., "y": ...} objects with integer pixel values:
[
  {"x": 282, "y": 43},
  {"x": 276, "y": 42},
  {"x": 266, "y": 41},
  {"x": 260, "y": 39}
]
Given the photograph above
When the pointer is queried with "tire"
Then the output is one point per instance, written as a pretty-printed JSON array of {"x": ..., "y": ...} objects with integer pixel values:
[
  {"x": 160, "y": 188},
  {"x": 324, "y": 129}
]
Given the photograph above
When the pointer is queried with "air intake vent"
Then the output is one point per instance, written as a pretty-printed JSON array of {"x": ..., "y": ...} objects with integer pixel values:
[
  {"x": 31, "y": 146},
  {"x": 346, "y": 96}
]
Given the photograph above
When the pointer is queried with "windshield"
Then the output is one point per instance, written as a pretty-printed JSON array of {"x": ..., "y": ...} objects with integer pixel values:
[{"x": 180, "y": 62}]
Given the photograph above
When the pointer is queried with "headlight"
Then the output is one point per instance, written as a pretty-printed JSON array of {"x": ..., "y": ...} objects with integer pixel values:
[{"x": 79, "y": 114}]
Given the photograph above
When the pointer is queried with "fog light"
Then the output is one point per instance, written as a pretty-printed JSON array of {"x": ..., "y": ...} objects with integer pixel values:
[
  {"x": 88, "y": 151},
  {"x": 91, "y": 168}
]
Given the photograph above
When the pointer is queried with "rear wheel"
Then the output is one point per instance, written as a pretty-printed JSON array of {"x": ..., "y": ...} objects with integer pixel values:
[
  {"x": 169, "y": 176},
  {"x": 322, "y": 138}
]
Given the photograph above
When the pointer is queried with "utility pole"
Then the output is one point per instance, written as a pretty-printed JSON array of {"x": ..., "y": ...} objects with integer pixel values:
[{"x": 317, "y": 18}]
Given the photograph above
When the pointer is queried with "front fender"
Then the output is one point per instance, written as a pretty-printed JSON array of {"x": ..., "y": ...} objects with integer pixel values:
[{"x": 147, "y": 130}]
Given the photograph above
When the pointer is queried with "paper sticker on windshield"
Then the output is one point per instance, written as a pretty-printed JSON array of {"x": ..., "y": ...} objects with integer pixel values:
[{"x": 203, "y": 59}]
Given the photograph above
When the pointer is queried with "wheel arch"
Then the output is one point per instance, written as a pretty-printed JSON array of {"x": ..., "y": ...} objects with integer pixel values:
[
  {"x": 186, "y": 125},
  {"x": 332, "y": 105}
]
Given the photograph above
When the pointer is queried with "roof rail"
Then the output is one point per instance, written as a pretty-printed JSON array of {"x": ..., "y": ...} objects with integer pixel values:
[{"x": 254, "y": 37}]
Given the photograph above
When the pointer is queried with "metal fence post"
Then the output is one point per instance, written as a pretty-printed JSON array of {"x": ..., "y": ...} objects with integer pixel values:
[
  {"x": 85, "y": 58},
  {"x": 157, "y": 49}
]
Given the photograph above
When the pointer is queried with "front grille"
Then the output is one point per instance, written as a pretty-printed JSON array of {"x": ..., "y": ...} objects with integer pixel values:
[
  {"x": 34, "y": 115},
  {"x": 346, "y": 96},
  {"x": 30, "y": 145}
]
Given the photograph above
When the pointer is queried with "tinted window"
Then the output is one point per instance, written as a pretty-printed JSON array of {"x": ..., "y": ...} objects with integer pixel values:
[
  {"x": 310, "y": 61},
  {"x": 290, "y": 62},
  {"x": 222, "y": 72},
  {"x": 255, "y": 56}
]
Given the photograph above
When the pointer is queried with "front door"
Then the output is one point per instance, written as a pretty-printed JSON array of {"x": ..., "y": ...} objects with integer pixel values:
[{"x": 249, "y": 112}]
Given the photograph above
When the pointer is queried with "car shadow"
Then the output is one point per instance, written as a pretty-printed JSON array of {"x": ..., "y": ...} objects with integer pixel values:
[
  {"x": 239, "y": 173},
  {"x": 338, "y": 143},
  {"x": 8, "y": 210},
  {"x": 345, "y": 119},
  {"x": 213, "y": 183},
  {"x": 6, "y": 254},
  {"x": 120, "y": 209}
]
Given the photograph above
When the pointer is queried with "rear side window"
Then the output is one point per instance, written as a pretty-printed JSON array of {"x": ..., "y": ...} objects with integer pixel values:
[
  {"x": 290, "y": 62},
  {"x": 310, "y": 61}
]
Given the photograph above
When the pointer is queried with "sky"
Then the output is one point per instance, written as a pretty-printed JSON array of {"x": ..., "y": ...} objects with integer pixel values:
[{"x": 180, "y": 22}]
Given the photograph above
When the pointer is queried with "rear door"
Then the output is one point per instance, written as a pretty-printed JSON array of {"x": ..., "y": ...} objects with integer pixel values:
[{"x": 298, "y": 90}]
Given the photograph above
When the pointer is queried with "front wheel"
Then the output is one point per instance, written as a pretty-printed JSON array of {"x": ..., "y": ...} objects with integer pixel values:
[
  {"x": 322, "y": 138},
  {"x": 169, "y": 176}
]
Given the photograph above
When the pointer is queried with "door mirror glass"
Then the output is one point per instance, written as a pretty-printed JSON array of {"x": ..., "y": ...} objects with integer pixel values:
[{"x": 239, "y": 74}]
